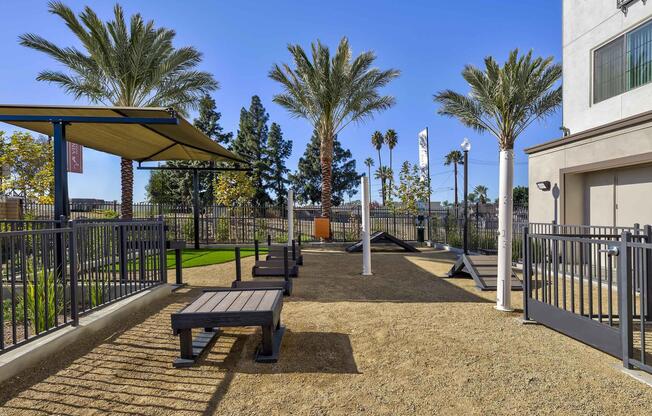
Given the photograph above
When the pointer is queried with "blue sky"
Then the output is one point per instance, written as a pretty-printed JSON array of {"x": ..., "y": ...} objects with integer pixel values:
[{"x": 428, "y": 41}]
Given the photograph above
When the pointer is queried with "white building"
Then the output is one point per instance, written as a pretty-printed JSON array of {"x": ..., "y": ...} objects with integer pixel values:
[{"x": 600, "y": 174}]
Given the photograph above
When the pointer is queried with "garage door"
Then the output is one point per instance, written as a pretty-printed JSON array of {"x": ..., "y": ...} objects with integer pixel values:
[{"x": 620, "y": 196}]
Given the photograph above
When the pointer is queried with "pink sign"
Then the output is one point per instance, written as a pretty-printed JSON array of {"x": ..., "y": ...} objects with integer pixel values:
[{"x": 75, "y": 158}]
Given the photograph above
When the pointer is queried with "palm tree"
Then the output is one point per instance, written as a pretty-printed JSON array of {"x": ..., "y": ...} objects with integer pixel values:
[
  {"x": 131, "y": 65},
  {"x": 331, "y": 93},
  {"x": 391, "y": 139},
  {"x": 377, "y": 140},
  {"x": 481, "y": 193},
  {"x": 505, "y": 101},
  {"x": 384, "y": 173},
  {"x": 454, "y": 158},
  {"x": 369, "y": 162}
]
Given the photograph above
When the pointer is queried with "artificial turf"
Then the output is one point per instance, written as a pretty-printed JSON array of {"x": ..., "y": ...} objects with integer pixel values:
[{"x": 206, "y": 256}]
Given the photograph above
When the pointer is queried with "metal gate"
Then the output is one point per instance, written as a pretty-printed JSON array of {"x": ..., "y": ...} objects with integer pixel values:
[{"x": 594, "y": 288}]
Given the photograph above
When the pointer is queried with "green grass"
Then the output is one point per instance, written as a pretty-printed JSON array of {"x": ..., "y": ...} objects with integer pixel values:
[{"x": 207, "y": 256}]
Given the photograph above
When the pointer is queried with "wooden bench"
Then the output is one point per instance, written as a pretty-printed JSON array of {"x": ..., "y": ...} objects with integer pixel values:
[
  {"x": 285, "y": 285},
  {"x": 276, "y": 253},
  {"x": 229, "y": 308}
]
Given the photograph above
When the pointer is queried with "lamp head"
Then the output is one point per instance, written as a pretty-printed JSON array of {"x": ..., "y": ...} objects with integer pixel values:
[{"x": 466, "y": 145}]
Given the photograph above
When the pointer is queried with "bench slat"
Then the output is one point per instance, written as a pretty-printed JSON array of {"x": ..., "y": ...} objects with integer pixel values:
[
  {"x": 237, "y": 305},
  {"x": 198, "y": 303},
  {"x": 254, "y": 300},
  {"x": 213, "y": 301},
  {"x": 268, "y": 300},
  {"x": 224, "y": 305}
]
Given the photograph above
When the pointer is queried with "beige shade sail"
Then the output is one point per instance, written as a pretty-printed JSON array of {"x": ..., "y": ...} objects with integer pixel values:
[{"x": 139, "y": 142}]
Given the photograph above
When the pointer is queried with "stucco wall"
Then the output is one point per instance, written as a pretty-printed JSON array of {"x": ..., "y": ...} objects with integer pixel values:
[
  {"x": 565, "y": 164},
  {"x": 588, "y": 24}
]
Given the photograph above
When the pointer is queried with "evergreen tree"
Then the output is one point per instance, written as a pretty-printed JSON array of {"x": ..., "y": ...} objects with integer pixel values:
[
  {"x": 278, "y": 150},
  {"x": 175, "y": 186},
  {"x": 307, "y": 180},
  {"x": 251, "y": 143}
]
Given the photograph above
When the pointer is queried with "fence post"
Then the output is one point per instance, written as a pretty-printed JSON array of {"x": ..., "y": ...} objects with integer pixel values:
[
  {"x": 122, "y": 253},
  {"x": 238, "y": 265},
  {"x": 526, "y": 274},
  {"x": 256, "y": 249},
  {"x": 163, "y": 250},
  {"x": 647, "y": 230},
  {"x": 625, "y": 298},
  {"x": 74, "y": 308}
]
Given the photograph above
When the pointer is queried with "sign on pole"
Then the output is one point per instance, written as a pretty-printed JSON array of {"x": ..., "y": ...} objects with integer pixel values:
[
  {"x": 423, "y": 154},
  {"x": 75, "y": 158}
]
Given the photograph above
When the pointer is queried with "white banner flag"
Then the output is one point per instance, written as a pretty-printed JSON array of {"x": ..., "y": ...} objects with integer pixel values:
[{"x": 423, "y": 153}]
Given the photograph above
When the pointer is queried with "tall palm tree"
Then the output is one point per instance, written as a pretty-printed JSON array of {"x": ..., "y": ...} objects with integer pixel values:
[
  {"x": 331, "y": 92},
  {"x": 369, "y": 162},
  {"x": 391, "y": 139},
  {"x": 132, "y": 65},
  {"x": 384, "y": 173},
  {"x": 505, "y": 100},
  {"x": 454, "y": 157},
  {"x": 481, "y": 193},
  {"x": 377, "y": 141}
]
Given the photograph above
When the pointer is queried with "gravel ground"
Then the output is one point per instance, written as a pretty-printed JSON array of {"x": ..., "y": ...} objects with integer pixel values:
[{"x": 404, "y": 341}]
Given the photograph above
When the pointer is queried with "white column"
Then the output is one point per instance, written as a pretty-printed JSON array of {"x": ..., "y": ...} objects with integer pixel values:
[
  {"x": 290, "y": 217},
  {"x": 505, "y": 217},
  {"x": 365, "y": 234}
]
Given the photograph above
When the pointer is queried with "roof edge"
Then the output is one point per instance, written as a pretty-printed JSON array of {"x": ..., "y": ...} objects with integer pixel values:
[{"x": 624, "y": 123}]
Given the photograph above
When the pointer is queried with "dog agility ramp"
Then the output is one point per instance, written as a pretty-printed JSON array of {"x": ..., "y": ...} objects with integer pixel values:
[
  {"x": 483, "y": 270},
  {"x": 383, "y": 237}
]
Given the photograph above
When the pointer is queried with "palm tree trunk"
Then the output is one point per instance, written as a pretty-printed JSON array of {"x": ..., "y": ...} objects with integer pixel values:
[
  {"x": 127, "y": 185},
  {"x": 382, "y": 181},
  {"x": 391, "y": 179},
  {"x": 326, "y": 160},
  {"x": 505, "y": 211}
]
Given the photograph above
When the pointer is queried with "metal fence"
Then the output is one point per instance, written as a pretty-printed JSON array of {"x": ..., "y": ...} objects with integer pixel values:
[
  {"x": 51, "y": 276},
  {"x": 245, "y": 223},
  {"x": 593, "y": 284}
]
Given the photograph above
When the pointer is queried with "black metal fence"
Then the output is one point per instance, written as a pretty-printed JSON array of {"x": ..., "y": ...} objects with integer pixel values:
[
  {"x": 593, "y": 284},
  {"x": 245, "y": 223},
  {"x": 51, "y": 276}
]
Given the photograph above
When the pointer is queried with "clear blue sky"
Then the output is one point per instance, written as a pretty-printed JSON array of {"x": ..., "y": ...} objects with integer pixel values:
[{"x": 428, "y": 41}]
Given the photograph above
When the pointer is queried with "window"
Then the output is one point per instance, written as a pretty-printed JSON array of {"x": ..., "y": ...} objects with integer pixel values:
[
  {"x": 623, "y": 64},
  {"x": 608, "y": 70}
]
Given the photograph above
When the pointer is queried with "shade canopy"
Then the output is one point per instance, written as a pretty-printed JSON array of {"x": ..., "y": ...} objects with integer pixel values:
[{"x": 142, "y": 142}]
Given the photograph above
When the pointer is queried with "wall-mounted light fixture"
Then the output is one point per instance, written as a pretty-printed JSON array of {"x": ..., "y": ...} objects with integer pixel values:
[{"x": 543, "y": 185}]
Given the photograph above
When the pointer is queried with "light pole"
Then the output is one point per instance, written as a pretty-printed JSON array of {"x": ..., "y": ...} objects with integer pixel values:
[{"x": 466, "y": 146}]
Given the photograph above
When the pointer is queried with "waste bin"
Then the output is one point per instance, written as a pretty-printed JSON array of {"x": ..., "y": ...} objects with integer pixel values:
[{"x": 420, "y": 229}]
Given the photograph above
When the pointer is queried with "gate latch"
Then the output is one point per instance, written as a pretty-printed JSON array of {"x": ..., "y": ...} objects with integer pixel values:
[{"x": 611, "y": 251}]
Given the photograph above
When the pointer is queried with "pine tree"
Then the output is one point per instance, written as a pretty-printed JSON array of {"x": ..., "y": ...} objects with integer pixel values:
[
  {"x": 306, "y": 181},
  {"x": 172, "y": 186},
  {"x": 251, "y": 143},
  {"x": 277, "y": 152}
]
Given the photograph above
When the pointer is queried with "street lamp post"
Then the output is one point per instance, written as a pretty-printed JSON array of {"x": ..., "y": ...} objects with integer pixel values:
[{"x": 466, "y": 146}]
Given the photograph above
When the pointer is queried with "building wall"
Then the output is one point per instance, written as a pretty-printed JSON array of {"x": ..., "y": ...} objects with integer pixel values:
[
  {"x": 588, "y": 24},
  {"x": 571, "y": 166}
]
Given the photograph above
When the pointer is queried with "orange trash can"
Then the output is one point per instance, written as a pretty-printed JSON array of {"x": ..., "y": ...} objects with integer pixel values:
[{"x": 322, "y": 227}]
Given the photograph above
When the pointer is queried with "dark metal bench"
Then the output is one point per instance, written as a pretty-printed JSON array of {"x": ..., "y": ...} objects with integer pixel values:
[
  {"x": 276, "y": 252},
  {"x": 229, "y": 308},
  {"x": 274, "y": 267},
  {"x": 285, "y": 284}
]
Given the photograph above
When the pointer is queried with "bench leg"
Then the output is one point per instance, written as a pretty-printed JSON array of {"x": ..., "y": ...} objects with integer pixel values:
[
  {"x": 185, "y": 342},
  {"x": 268, "y": 339}
]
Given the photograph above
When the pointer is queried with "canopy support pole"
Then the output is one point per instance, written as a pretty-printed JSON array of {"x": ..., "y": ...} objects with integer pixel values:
[
  {"x": 195, "y": 205},
  {"x": 61, "y": 205}
]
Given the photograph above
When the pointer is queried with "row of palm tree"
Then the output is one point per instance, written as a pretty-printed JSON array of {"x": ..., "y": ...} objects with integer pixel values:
[{"x": 384, "y": 173}]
